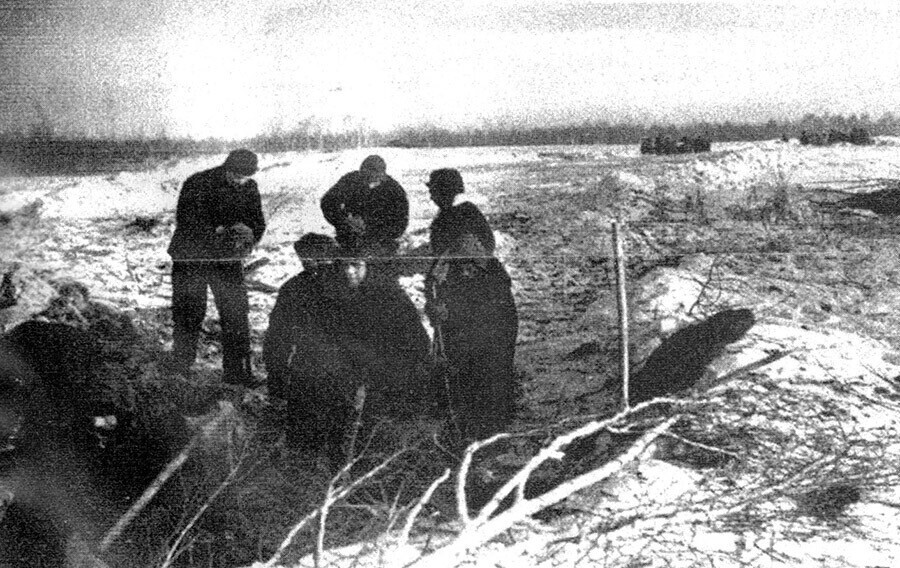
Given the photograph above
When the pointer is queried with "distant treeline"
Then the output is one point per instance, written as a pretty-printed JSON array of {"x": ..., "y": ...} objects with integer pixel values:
[
  {"x": 46, "y": 155},
  {"x": 41, "y": 151},
  {"x": 632, "y": 133}
]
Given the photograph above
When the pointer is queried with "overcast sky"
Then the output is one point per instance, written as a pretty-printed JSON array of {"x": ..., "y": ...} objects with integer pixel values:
[{"x": 233, "y": 68}]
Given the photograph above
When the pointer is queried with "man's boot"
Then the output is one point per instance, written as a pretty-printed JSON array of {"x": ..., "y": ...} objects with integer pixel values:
[
  {"x": 238, "y": 371},
  {"x": 178, "y": 361}
]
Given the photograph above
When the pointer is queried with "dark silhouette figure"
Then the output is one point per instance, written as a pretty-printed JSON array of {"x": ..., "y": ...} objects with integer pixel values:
[
  {"x": 470, "y": 304},
  {"x": 75, "y": 456},
  {"x": 218, "y": 220},
  {"x": 333, "y": 330}
]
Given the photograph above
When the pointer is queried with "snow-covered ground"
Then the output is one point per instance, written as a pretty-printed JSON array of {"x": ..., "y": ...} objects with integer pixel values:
[{"x": 820, "y": 289}]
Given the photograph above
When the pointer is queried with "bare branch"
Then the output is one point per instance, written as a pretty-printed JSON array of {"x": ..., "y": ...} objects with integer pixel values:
[
  {"x": 174, "y": 549},
  {"x": 554, "y": 451},
  {"x": 407, "y": 526},
  {"x": 477, "y": 533},
  {"x": 337, "y": 496},
  {"x": 225, "y": 409},
  {"x": 463, "y": 507},
  {"x": 699, "y": 445}
]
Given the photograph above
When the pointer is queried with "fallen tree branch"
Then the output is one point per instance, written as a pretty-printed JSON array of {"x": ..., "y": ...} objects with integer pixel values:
[
  {"x": 478, "y": 533},
  {"x": 337, "y": 495},
  {"x": 554, "y": 451}
]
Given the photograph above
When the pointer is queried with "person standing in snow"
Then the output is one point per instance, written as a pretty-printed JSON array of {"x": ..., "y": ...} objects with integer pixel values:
[
  {"x": 469, "y": 302},
  {"x": 218, "y": 221}
]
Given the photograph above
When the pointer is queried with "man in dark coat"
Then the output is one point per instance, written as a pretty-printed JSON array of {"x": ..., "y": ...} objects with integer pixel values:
[
  {"x": 218, "y": 221},
  {"x": 368, "y": 209},
  {"x": 331, "y": 331}
]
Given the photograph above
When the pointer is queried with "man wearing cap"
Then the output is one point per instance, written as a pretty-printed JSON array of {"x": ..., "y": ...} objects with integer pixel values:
[
  {"x": 368, "y": 209},
  {"x": 218, "y": 220}
]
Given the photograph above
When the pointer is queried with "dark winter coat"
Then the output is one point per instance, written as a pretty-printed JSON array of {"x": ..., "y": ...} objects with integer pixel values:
[
  {"x": 453, "y": 222},
  {"x": 206, "y": 202},
  {"x": 377, "y": 327},
  {"x": 385, "y": 209},
  {"x": 479, "y": 332},
  {"x": 321, "y": 347}
]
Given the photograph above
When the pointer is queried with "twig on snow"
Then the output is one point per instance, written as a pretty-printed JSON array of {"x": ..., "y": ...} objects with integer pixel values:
[
  {"x": 481, "y": 530},
  {"x": 336, "y": 495}
]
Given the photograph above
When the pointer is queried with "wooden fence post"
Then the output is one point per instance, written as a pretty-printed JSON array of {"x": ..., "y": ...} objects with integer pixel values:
[{"x": 622, "y": 303}]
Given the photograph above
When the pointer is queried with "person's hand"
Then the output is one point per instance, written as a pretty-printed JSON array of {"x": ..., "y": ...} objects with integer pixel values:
[
  {"x": 239, "y": 240},
  {"x": 356, "y": 224}
]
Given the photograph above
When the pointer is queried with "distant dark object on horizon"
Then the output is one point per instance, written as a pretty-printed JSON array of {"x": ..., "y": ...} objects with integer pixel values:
[
  {"x": 857, "y": 135},
  {"x": 666, "y": 145}
]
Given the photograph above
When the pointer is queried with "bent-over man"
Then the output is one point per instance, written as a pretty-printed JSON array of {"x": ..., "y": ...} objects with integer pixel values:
[{"x": 368, "y": 209}]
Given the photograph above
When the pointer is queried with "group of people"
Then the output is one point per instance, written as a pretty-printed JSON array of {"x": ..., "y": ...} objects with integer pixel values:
[{"x": 344, "y": 323}]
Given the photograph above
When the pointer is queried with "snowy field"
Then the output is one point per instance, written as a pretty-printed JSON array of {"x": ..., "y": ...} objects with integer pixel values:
[{"x": 737, "y": 227}]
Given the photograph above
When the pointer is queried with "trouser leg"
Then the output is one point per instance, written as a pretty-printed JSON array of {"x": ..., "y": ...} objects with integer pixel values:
[
  {"x": 230, "y": 294},
  {"x": 189, "y": 281}
]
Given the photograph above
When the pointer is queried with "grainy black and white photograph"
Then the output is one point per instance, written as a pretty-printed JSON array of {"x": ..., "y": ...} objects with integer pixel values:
[{"x": 396, "y": 283}]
